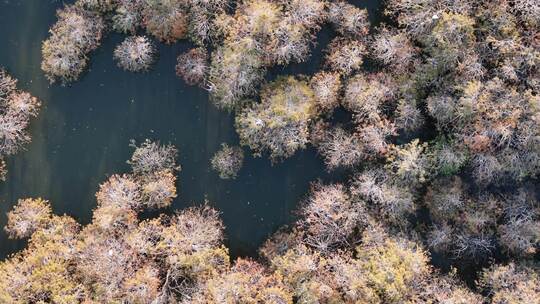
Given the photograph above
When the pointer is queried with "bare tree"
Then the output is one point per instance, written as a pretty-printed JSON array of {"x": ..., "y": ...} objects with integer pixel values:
[
  {"x": 442, "y": 108},
  {"x": 326, "y": 87},
  {"x": 203, "y": 15},
  {"x": 122, "y": 191},
  {"x": 135, "y": 54},
  {"x": 234, "y": 73},
  {"x": 449, "y": 289},
  {"x": 374, "y": 138},
  {"x": 114, "y": 219},
  {"x": 8, "y": 84},
  {"x": 329, "y": 217},
  {"x": 338, "y": 147},
  {"x": 445, "y": 198},
  {"x": 348, "y": 19},
  {"x": 408, "y": 116},
  {"x": 529, "y": 11},
  {"x": 190, "y": 230},
  {"x": 105, "y": 263},
  {"x": 418, "y": 17},
  {"x": 192, "y": 66},
  {"x": 144, "y": 286},
  {"x": 308, "y": 13},
  {"x": 366, "y": 95},
  {"x": 150, "y": 157},
  {"x": 158, "y": 189},
  {"x": 520, "y": 231},
  {"x": 101, "y": 6},
  {"x": 345, "y": 56},
  {"x": 390, "y": 199},
  {"x": 515, "y": 282},
  {"x": 393, "y": 48}
]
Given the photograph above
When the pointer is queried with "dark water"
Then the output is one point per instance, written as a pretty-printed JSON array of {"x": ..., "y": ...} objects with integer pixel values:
[{"x": 82, "y": 134}]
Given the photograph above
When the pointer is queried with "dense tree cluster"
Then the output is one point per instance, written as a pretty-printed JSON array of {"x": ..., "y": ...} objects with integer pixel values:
[
  {"x": 474, "y": 224},
  {"x": 338, "y": 251},
  {"x": 180, "y": 258},
  {"x": 476, "y": 81},
  {"x": 380, "y": 269},
  {"x": 439, "y": 133},
  {"x": 16, "y": 109},
  {"x": 65, "y": 53},
  {"x": 260, "y": 34},
  {"x": 116, "y": 257},
  {"x": 444, "y": 136}
]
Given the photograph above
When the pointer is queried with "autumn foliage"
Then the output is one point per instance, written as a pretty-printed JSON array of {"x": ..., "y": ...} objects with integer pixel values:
[{"x": 432, "y": 116}]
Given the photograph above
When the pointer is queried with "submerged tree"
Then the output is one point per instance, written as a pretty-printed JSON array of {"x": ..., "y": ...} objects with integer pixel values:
[
  {"x": 330, "y": 218},
  {"x": 345, "y": 55},
  {"x": 16, "y": 109},
  {"x": 116, "y": 257},
  {"x": 279, "y": 124},
  {"x": 192, "y": 66},
  {"x": 338, "y": 147},
  {"x": 228, "y": 161},
  {"x": 234, "y": 73},
  {"x": 439, "y": 133},
  {"x": 150, "y": 157},
  {"x": 135, "y": 54},
  {"x": 28, "y": 216},
  {"x": 349, "y": 20},
  {"x": 65, "y": 53}
]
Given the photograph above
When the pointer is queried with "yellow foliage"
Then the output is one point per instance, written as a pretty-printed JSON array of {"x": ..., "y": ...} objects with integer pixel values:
[
  {"x": 143, "y": 287},
  {"x": 392, "y": 268},
  {"x": 39, "y": 273},
  {"x": 290, "y": 99},
  {"x": 205, "y": 264},
  {"x": 274, "y": 295},
  {"x": 453, "y": 31},
  {"x": 28, "y": 216},
  {"x": 258, "y": 17},
  {"x": 296, "y": 265}
]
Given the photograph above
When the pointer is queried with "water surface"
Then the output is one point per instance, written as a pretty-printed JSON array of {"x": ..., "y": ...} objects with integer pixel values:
[{"x": 82, "y": 133}]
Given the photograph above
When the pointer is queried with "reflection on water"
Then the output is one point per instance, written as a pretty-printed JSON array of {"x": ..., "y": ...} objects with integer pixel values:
[{"x": 82, "y": 134}]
